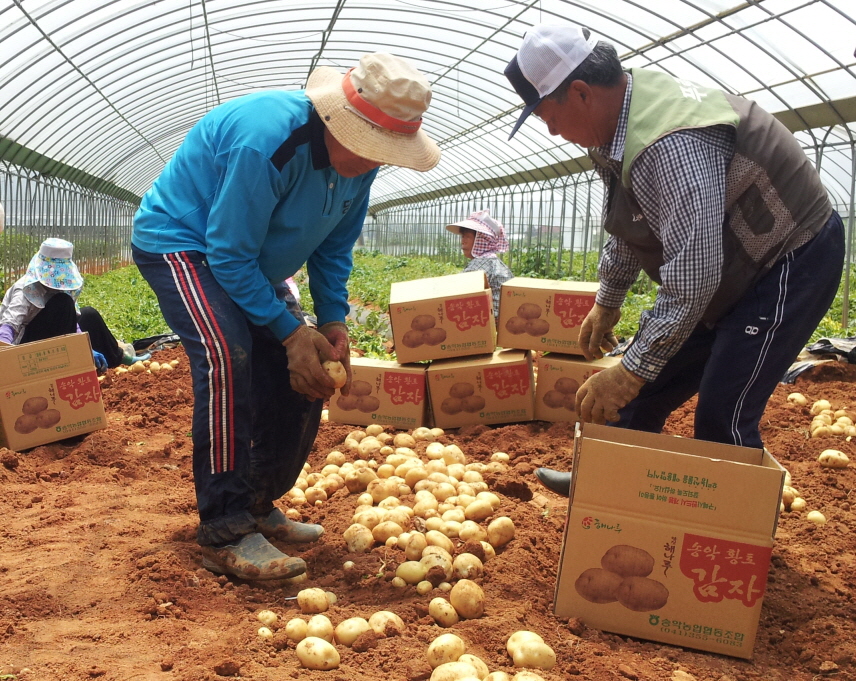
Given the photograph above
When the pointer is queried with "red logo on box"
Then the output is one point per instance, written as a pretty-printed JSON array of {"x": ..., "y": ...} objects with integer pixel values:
[
  {"x": 572, "y": 309},
  {"x": 79, "y": 389},
  {"x": 507, "y": 381},
  {"x": 403, "y": 387},
  {"x": 468, "y": 312},
  {"x": 725, "y": 569}
]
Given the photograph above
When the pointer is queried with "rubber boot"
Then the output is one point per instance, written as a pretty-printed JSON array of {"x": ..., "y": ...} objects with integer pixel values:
[
  {"x": 275, "y": 525},
  {"x": 252, "y": 557},
  {"x": 555, "y": 481}
]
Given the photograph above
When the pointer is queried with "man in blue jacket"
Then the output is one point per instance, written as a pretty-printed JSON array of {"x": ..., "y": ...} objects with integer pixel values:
[{"x": 262, "y": 185}]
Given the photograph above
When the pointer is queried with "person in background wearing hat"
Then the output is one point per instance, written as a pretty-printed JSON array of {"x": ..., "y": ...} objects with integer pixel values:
[
  {"x": 482, "y": 237},
  {"x": 262, "y": 185},
  {"x": 43, "y": 304},
  {"x": 716, "y": 201}
]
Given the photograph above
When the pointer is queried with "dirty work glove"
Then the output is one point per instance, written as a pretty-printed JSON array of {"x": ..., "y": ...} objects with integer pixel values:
[
  {"x": 596, "y": 335},
  {"x": 337, "y": 334},
  {"x": 100, "y": 361},
  {"x": 604, "y": 393},
  {"x": 306, "y": 350}
]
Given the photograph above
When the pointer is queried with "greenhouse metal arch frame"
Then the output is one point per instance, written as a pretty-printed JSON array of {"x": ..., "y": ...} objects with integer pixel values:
[{"x": 98, "y": 94}]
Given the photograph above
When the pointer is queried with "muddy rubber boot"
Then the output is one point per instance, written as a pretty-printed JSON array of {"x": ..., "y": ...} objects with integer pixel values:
[
  {"x": 555, "y": 481},
  {"x": 252, "y": 557},
  {"x": 275, "y": 525}
]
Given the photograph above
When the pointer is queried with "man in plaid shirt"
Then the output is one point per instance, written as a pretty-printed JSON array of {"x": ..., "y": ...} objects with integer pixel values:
[{"x": 716, "y": 201}]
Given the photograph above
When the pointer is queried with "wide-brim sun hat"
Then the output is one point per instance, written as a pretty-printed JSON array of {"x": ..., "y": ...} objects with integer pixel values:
[
  {"x": 375, "y": 110},
  {"x": 53, "y": 267},
  {"x": 479, "y": 221}
]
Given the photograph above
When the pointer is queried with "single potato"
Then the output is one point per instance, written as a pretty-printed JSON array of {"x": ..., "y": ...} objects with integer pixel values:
[
  {"x": 628, "y": 561},
  {"x": 368, "y": 403},
  {"x": 516, "y": 325},
  {"x": 33, "y": 405},
  {"x": 451, "y": 405},
  {"x": 567, "y": 385},
  {"x": 316, "y": 653},
  {"x": 361, "y": 388},
  {"x": 434, "y": 336},
  {"x": 26, "y": 423},
  {"x": 553, "y": 399},
  {"x": 48, "y": 418},
  {"x": 598, "y": 585},
  {"x": 347, "y": 402},
  {"x": 473, "y": 403},
  {"x": 412, "y": 339},
  {"x": 462, "y": 390},
  {"x": 529, "y": 311},
  {"x": 642, "y": 594},
  {"x": 336, "y": 371},
  {"x": 537, "y": 327},
  {"x": 423, "y": 322}
]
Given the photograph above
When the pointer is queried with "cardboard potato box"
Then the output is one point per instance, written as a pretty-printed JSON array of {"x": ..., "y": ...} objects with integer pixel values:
[
  {"x": 441, "y": 317},
  {"x": 48, "y": 391},
  {"x": 557, "y": 379},
  {"x": 543, "y": 314},
  {"x": 676, "y": 547},
  {"x": 383, "y": 392},
  {"x": 497, "y": 388}
]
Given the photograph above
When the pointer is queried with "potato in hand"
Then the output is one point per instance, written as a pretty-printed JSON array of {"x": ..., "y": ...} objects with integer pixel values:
[{"x": 336, "y": 371}]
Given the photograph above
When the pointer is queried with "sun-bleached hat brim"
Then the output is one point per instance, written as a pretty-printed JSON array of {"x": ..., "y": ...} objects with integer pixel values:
[{"x": 416, "y": 151}]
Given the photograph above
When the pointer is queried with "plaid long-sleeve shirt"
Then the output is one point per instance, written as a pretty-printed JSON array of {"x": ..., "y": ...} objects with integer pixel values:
[
  {"x": 497, "y": 274},
  {"x": 679, "y": 182}
]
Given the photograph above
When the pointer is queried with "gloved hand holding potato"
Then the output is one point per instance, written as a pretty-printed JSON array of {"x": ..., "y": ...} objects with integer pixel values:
[
  {"x": 307, "y": 349},
  {"x": 336, "y": 334},
  {"x": 604, "y": 393}
]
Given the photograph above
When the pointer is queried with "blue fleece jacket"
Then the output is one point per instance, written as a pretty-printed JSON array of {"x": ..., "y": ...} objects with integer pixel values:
[{"x": 252, "y": 187}]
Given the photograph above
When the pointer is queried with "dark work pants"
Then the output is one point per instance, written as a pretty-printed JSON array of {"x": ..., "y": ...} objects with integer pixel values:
[
  {"x": 251, "y": 432},
  {"x": 102, "y": 340},
  {"x": 59, "y": 317},
  {"x": 735, "y": 366}
]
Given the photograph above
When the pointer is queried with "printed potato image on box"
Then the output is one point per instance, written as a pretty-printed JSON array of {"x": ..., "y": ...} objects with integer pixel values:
[
  {"x": 48, "y": 391},
  {"x": 558, "y": 379},
  {"x": 673, "y": 549},
  {"x": 543, "y": 314},
  {"x": 442, "y": 317},
  {"x": 495, "y": 388},
  {"x": 383, "y": 392}
]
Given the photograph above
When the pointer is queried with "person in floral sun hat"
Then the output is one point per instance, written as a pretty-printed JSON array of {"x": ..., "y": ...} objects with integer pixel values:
[{"x": 43, "y": 304}]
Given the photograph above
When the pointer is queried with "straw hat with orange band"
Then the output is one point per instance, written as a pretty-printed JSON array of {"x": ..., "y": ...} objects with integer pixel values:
[{"x": 376, "y": 109}]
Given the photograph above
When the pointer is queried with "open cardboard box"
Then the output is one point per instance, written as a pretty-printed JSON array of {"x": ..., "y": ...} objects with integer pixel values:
[
  {"x": 383, "y": 392},
  {"x": 496, "y": 388},
  {"x": 669, "y": 538},
  {"x": 49, "y": 391},
  {"x": 441, "y": 317},
  {"x": 558, "y": 377},
  {"x": 543, "y": 314}
]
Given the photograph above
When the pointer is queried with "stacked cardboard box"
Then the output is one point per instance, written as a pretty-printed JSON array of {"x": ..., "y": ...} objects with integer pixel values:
[
  {"x": 448, "y": 321},
  {"x": 543, "y": 314},
  {"x": 497, "y": 388}
]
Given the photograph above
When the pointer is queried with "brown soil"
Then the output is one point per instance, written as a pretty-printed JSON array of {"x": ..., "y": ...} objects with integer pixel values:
[{"x": 100, "y": 575}]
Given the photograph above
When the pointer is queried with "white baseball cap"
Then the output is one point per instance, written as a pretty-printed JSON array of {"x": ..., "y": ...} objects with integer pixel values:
[{"x": 548, "y": 55}]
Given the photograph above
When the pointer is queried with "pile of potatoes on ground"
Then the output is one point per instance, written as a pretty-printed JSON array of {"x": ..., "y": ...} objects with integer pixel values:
[
  {"x": 438, "y": 511},
  {"x": 826, "y": 422},
  {"x": 148, "y": 366}
]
